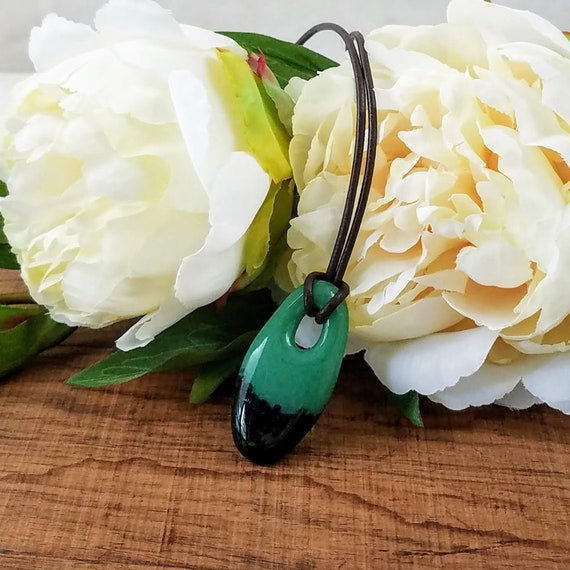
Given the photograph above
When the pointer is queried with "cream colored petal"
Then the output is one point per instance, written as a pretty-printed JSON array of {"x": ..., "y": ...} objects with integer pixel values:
[
  {"x": 58, "y": 39},
  {"x": 194, "y": 112},
  {"x": 488, "y": 384},
  {"x": 129, "y": 19},
  {"x": 235, "y": 198},
  {"x": 563, "y": 406},
  {"x": 411, "y": 188},
  {"x": 327, "y": 190},
  {"x": 236, "y": 195},
  {"x": 518, "y": 399},
  {"x": 552, "y": 68},
  {"x": 428, "y": 142},
  {"x": 203, "y": 39},
  {"x": 145, "y": 330},
  {"x": 399, "y": 168},
  {"x": 338, "y": 154},
  {"x": 396, "y": 240},
  {"x": 538, "y": 113},
  {"x": 390, "y": 291},
  {"x": 446, "y": 280},
  {"x": 528, "y": 169},
  {"x": 206, "y": 276},
  {"x": 118, "y": 179},
  {"x": 382, "y": 266},
  {"x": 531, "y": 346},
  {"x": 323, "y": 95},
  {"x": 91, "y": 291},
  {"x": 430, "y": 363},
  {"x": 552, "y": 294},
  {"x": 401, "y": 61},
  {"x": 423, "y": 317},
  {"x": 298, "y": 149},
  {"x": 495, "y": 263},
  {"x": 491, "y": 307},
  {"x": 499, "y": 24},
  {"x": 121, "y": 88},
  {"x": 550, "y": 381}
]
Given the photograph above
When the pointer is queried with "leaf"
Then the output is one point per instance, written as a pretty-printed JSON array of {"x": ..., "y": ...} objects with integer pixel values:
[
  {"x": 281, "y": 99},
  {"x": 206, "y": 335},
  {"x": 7, "y": 258},
  {"x": 266, "y": 277},
  {"x": 28, "y": 338},
  {"x": 211, "y": 376},
  {"x": 285, "y": 59},
  {"x": 409, "y": 405},
  {"x": 10, "y": 315},
  {"x": 3, "y": 193},
  {"x": 266, "y": 137},
  {"x": 266, "y": 232}
]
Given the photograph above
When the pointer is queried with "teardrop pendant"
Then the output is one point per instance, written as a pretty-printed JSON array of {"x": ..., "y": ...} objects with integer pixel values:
[{"x": 282, "y": 388}]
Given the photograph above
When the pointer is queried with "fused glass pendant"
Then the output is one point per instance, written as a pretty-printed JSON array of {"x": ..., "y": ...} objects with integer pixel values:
[{"x": 283, "y": 388}]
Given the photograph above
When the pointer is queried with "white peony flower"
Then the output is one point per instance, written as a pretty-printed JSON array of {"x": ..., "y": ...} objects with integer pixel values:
[
  {"x": 131, "y": 183},
  {"x": 460, "y": 280}
]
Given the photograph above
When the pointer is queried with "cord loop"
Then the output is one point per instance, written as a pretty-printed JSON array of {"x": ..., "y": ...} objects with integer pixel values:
[{"x": 365, "y": 144}]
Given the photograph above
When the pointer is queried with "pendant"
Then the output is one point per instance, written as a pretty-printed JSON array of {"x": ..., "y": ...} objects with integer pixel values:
[{"x": 282, "y": 388}]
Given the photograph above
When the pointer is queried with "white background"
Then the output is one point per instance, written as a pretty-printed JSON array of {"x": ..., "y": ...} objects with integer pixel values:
[{"x": 286, "y": 19}]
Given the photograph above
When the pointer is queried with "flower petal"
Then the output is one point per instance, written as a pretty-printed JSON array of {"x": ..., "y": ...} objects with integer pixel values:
[
  {"x": 194, "y": 112},
  {"x": 422, "y": 317},
  {"x": 518, "y": 399},
  {"x": 550, "y": 382},
  {"x": 495, "y": 263},
  {"x": 499, "y": 24},
  {"x": 131, "y": 19},
  {"x": 235, "y": 198},
  {"x": 486, "y": 385},
  {"x": 57, "y": 38},
  {"x": 145, "y": 330},
  {"x": 492, "y": 307},
  {"x": 206, "y": 40},
  {"x": 430, "y": 363}
]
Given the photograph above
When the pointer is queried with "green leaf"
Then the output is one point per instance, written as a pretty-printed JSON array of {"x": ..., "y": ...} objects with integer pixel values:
[
  {"x": 266, "y": 136},
  {"x": 211, "y": 376},
  {"x": 7, "y": 258},
  {"x": 3, "y": 193},
  {"x": 409, "y": 405},
  {"x": 11, "y": 315},
  {"x": 266, "y": 232},
  {"x": 285, "y": 59},
  {"x": 206, "y": 335},
  {"x": 22, "y": 342}
]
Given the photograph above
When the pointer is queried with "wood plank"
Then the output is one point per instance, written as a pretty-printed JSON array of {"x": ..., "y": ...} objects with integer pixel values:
[{"x": 133, "y": 477}]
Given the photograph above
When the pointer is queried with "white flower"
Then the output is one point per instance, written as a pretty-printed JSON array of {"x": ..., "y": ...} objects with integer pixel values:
[
  {"x": 131, "y": 186},
  {"x": 460, "y": 280}
]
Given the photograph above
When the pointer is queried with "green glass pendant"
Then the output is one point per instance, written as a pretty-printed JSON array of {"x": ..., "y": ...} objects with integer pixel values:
[{"x": 283, "y": 388}]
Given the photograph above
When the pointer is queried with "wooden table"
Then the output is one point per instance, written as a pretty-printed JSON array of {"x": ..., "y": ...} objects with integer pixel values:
[{"x": 133, "y": 477}]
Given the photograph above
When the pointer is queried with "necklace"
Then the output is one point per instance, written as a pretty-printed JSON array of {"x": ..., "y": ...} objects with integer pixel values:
[{"x": 283, "y": 387}]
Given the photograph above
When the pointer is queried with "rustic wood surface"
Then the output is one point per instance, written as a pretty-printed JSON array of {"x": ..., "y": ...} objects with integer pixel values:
[{"x": 133, "y": 477}]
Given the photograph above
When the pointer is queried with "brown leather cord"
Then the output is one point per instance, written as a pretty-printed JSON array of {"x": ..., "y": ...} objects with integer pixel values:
[{"x": 356, "y": 200}]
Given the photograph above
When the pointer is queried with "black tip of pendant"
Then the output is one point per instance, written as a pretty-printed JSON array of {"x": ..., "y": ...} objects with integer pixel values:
[{"x": 262, "y": 432}]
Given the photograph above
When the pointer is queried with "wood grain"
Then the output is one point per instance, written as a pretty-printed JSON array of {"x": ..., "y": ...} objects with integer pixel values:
[{"x": 133, "y": 477}]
